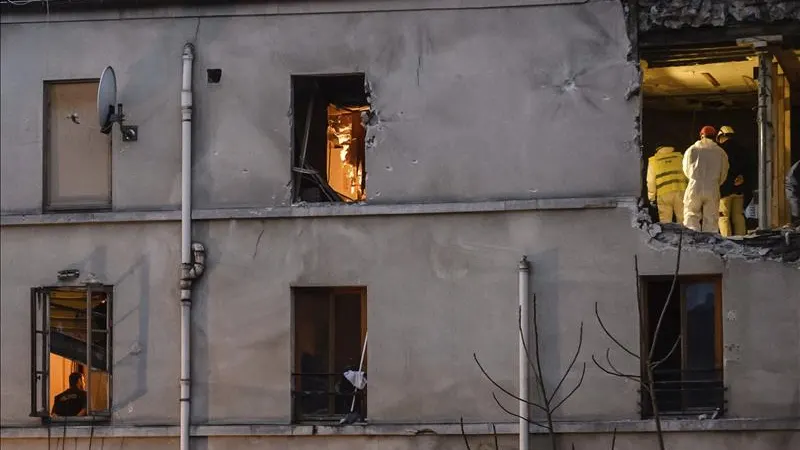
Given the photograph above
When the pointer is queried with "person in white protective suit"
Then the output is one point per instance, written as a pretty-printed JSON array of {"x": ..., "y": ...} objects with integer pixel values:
[{"x": 706, "y": 166}]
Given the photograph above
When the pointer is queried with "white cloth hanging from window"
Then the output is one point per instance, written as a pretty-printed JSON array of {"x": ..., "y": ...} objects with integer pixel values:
[{"x": 357, "y": 378}]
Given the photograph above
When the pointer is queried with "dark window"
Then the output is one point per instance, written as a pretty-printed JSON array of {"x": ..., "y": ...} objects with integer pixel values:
[
  {"x": 71, "y": 351},
  {"x": 329, "y": 147},
  {"x": 77, "y": 164},
  {"x": 330, "y": 328},
  {"x": 689, "y": 381}
]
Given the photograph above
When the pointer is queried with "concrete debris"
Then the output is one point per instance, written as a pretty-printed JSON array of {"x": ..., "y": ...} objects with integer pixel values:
[
  {"x": 781, "y": 245},
  {"x": 673, "y": 14}
]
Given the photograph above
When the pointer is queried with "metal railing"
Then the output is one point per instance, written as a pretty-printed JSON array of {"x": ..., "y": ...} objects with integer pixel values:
[
  {"x": 325, "y": 397},
  {"x": 687, "y": 393}
]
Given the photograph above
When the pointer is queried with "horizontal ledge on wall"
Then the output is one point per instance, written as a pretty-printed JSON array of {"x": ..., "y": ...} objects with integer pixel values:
[
  {"x": 329, "y": 210},
  {"x": 387, "y": 429}
]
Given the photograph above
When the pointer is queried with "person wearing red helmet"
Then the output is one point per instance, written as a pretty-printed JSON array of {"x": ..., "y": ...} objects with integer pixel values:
[{"x": 705, "y": 164}]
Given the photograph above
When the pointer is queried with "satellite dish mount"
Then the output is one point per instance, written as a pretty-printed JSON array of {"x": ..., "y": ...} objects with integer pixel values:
[{"x": 109, "y": 111}]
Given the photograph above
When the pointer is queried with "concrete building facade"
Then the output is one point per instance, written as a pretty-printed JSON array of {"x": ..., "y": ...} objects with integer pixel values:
[{"x": 495, "y": 129}]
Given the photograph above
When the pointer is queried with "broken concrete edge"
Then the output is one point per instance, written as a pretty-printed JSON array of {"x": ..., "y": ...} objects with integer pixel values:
[
  {"x": 676, "y": 14},
  {"x": 399, "y": 429},
  {"x": 302, "y": 210},
  {"x": 780, "y": 245}
]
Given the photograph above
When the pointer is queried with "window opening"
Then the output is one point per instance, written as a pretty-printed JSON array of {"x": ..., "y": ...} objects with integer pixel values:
[
  {"x": 71, "y": 352},
  {"x": 687, "y": 87},
  {"x": 329, "y": 336},
  {"x": 329, "y": 138},
  {"x": 690, "y": 380},
  {"x": 77, "y": 162}
]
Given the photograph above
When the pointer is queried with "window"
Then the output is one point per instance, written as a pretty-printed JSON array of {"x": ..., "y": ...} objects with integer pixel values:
[
  {"x": 77, "y": 160},
  {"x": 330, "y": 326},
  {"x": 71, "y": 351},
  {"x": 689, "y": 381},
  {"x": 329, "y": 147}
]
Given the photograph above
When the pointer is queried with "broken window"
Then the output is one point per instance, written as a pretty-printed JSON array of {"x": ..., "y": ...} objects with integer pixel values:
[
  {"x": 329, "y": 147},
  {"x": 71, "y": 352},
  {"x": 330, "y": 327},
  {"x": 689, "y": 379},
  {"x": 77, "y": 164},
  {"x": 743, "y": 85}
]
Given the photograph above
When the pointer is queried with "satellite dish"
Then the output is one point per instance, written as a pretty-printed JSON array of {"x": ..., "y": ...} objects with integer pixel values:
[
  {"x": 108, "y": 110},
  {"x": 107, "y": 99}
]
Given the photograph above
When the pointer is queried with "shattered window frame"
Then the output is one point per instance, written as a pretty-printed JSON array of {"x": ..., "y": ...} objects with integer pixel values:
[{"x": 327, "y": 127}]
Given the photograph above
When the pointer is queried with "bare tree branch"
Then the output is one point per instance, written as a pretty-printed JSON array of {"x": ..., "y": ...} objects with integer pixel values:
[
  {"x": 612, "y": 366},
  {"x": 505, "y": 391},
  {"x": 613, "y": 438},
  {"x": 464, "y": 434},
  {"x": 494, "y": 396},
  {"x": 610, "y": 336},
  {"x": 540, "y": 375},
  {"x": 674, "y": 346},
  {"x": 580, "y": 381},
  {"x": 669, "y": 298},
  {"x": 616, "y": 374},
  {"x": 569, "y": 367},
  {"x": 524, "y": 342}
]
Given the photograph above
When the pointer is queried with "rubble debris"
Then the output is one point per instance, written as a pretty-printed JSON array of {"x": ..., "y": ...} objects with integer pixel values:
[
  {"x": 781, "y": 245},
  {"x": 673, "y": 14}
]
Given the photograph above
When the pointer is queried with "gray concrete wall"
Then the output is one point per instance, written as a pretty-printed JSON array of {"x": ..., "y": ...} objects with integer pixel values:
[
  {"x": 471, "y": 104},
  {"x": 439, "y": 288}
]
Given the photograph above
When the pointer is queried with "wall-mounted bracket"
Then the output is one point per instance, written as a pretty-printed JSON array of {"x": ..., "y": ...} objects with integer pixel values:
[{"x": 130, "y": 133}]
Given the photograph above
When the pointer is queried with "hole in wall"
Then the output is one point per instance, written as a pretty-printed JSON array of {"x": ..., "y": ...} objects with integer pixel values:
[{"x": 214, "y": 75}]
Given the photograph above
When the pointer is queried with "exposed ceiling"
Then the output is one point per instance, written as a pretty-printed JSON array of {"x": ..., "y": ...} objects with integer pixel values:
[
  {"x": 717, "y": 78},
  {"x": 696, "y": 79}
]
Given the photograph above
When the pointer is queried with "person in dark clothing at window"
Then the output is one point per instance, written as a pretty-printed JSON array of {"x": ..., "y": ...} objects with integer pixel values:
[
  {"x": 71, "y": 402},
  {"x": 733, "y": 189}
]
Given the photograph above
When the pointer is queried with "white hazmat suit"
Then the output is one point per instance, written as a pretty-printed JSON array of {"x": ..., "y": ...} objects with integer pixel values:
[{"x": 706, "y": 166}]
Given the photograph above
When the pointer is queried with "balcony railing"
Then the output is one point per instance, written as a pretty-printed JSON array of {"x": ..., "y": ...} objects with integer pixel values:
[
  {"x": 687, "y": 393},
  {"x": 325, "y": 397}
]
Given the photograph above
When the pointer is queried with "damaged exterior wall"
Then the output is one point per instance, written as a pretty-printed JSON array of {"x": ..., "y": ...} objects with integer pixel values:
[
  {"x": 673, "y": 14},
  {"x": 530, "y": 102}
]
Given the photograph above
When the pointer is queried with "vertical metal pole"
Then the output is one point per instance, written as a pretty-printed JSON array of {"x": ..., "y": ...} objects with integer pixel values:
[
  {"x": 765, "y": 70},
  {"x": 109, "y": 349},
  {"x": 524, "y": 382},
  {"x": 45, "y": 299},
  {"x": 88, "y": 351},
  {"x": 187, "y": 103}
]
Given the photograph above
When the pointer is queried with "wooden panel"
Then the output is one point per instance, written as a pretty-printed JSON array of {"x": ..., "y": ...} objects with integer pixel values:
[
  {"x": 78, "y": 155},
  {"x": 781, "y": 156}
]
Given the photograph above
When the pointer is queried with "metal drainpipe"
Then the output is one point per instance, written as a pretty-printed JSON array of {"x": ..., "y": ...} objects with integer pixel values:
[
  {"x": 192, "y": 255},
  {"x": 524, "y": 271}
]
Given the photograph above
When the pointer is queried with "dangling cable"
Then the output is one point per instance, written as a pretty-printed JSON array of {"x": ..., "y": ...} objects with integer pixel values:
[
  {"x": 49, "y": 423},
  {"x": 91, "y": 432},
  {"x": 64, "y": 437}
]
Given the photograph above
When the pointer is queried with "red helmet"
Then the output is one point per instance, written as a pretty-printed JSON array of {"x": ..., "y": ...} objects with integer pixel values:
[{"x": 708, "y": 131}]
